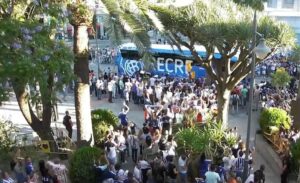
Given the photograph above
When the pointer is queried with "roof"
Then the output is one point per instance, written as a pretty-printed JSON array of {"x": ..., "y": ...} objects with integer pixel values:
[{"x": 166, "y": 48}]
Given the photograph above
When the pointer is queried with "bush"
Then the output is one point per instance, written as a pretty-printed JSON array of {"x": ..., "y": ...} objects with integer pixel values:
[
  {"x": 280, "y": 78},
  {"x": 208, "y": 139},
  {"x": 82, "y": 164},
  {"x": 7, "y": 131},
  {"x": 274, "y": 117},
  {"x": 101, "y": 120}
]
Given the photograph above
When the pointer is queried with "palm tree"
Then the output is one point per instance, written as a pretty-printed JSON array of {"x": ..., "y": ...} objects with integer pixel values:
[{"x": 124, "y": 15}]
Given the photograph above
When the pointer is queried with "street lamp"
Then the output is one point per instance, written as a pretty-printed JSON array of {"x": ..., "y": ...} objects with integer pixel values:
[{"x": 260, "y": 51}]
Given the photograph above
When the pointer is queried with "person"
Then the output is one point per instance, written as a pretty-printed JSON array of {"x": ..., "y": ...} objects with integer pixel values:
[
  {"x": 203, "y": 165},
  {"x": 134, "y": 144},
  {"x": 239, "y": 164},
  {"x": 235, "y": 102},
  {"x": 110, "y": 90},
  {"x": 45, "y": 175},
  {"x": 17, "y": 168},
  {"x": 59, "y": 170},
  {"x": 211, "y": 176},
  {"x": 172, "y": 171},
  {"x": 259, "y": 176},
  {"x": 111, "y": 153},
  {"x": 67, "y": 122},
  {"x": 123, "y": 115},
  {"x": 182, "y": 167},
  {"x": 28, "y": 166},
  {"x": 131, "y": 178},
  {"x": 122, "y": 146},
  {"x": 99, "y": 85},
  {"x": 6, "y": 178},
  {"x": 144, "y": 167}
]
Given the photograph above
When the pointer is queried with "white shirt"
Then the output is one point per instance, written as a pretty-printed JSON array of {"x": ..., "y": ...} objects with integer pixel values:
[
  {"x": 137, "y": 174},
  {"x": 112, "y": 152},
  {"x": 122, "y": 142},
  {"x": 9, "y": 180},
  {"x": 110, "y": 86},
  {"x": 152, "y": 81},
  {"x": 182, "y": 165},
  {"x": 128, "y": 86},
  {"x": 59, "y": 170}
]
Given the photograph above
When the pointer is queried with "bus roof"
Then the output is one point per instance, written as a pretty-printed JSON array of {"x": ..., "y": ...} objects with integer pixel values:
[{"x": 166, "y": 48}]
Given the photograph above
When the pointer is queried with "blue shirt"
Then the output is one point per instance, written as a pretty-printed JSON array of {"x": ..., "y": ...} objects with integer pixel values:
[
  {"x": 28, "y": 168},
  {"x": 123, "y": 119}
]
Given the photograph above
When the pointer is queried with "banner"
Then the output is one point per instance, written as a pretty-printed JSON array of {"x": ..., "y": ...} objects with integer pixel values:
[{"x": 173, "y": 67}]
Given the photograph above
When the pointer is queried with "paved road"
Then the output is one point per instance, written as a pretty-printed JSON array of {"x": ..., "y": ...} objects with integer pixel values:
[{"x": 264, "y": 154}]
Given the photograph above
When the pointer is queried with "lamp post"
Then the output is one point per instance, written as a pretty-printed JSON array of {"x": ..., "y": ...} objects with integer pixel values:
[
  {"x": 97, "y": 45},
  {"x": 260, "y": 51}
]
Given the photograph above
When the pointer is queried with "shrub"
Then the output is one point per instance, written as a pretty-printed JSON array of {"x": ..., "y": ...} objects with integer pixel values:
[
  {"x": 274, "y": 117},
  {"x": 101, "y": 120},
  {"x": 280, "y": 78},
  {"x": 82, "y": 164},
  {"x": 208, "y": 139},
  {"x": 7, "y": 131}
]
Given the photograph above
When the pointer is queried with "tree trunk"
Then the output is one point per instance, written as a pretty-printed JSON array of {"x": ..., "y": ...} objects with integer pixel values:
[
  {"x": 295, "y": 108},
  {"x": 42, "y": 128},
  {"x": 223, "y": 105},
  {"x": 82, "y": 87}
]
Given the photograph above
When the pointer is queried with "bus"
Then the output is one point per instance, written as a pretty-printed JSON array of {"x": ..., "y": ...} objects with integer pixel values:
[{"x": 169, "y": 60}]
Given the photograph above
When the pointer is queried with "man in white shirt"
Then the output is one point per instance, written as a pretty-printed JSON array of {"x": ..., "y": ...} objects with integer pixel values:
[
  {"x": 110, "y": 90},
  {"x": 182, "y": 167},
  {"x": 152, "y": 81},
  {"x": 98, "y": 88}
]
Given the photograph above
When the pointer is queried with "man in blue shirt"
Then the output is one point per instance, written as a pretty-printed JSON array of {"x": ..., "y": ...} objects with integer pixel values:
[{"x": 28, "y": 166}]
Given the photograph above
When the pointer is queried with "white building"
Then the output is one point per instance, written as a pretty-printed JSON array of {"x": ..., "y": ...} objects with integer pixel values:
[{"x": 287, "y": 11}]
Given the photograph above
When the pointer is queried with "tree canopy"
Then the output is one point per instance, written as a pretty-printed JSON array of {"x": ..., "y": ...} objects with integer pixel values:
[
  {"x": 30, "y": 57},
  {"x": 224, "y": 27}
]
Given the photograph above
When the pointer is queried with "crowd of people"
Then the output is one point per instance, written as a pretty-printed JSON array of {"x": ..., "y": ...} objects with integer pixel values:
[
  {"x": 152, "y": 147},
  {"x": 104, "y": 55},
  {"x": 24, "y": 171}
]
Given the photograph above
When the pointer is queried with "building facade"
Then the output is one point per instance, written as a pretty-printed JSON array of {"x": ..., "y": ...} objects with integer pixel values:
[{"x": 287, "y": 11}]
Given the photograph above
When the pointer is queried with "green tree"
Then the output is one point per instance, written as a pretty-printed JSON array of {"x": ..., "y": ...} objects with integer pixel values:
[
  {"x": 29, "y": 56},
  {"x": 223, "y": 27},
  {"x": 280, "y": 78}
]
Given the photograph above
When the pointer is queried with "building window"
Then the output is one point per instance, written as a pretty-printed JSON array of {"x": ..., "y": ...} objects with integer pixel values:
[
  {"x": 272, "y": 4},
  {"x": 288, "y": 4}
]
